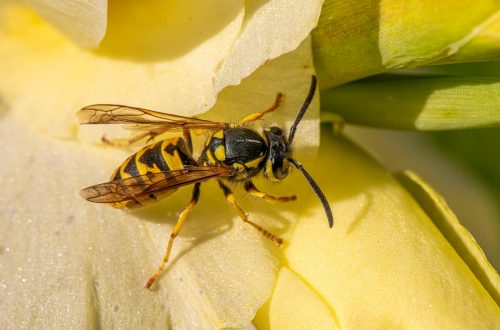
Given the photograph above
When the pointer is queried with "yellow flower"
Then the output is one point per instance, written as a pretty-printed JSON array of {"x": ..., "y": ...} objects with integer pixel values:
[
  {"x": 393, "y": 260},
  {"x": 396, "y": 257},
  {"x": 67, "y": 263}
]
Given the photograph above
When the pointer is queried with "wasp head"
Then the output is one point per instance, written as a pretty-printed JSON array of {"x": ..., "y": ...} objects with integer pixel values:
[
  {"x": 276, "y": 164},
  {"x": 278, "y": 158}
]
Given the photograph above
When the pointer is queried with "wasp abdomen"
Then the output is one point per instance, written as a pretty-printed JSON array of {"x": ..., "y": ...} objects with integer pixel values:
[{"x": 164, "y": 156}]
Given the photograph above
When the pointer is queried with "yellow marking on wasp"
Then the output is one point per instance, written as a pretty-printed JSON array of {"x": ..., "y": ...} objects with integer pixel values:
[
  {"x": 115, "y": 172},
  {"x": 126, "y": 205},
  {"x": 254, "y": 162},
  {"x": 219, "y": 134},
  {"x": 239, "y": 167},
  {"x": 174, "y": 161},
  {"x": 119, "y": 205},
  {"x": 220, "y": 153},
  {"x": 210, "y": 157},
  {"x": 143, "y": 168},
  {"x": 269, "y": 169}
]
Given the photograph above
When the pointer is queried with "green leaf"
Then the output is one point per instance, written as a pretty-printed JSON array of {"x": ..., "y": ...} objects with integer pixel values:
[
  {"x": 356, "y": 39},
  {"x": 472, "y": 69},
  {"x": 482, "y": 46},
  {"x": 422, "y": 103}
]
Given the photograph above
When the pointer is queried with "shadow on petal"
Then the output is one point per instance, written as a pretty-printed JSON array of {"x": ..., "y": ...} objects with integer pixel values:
[{"x": 150, "y": 31}]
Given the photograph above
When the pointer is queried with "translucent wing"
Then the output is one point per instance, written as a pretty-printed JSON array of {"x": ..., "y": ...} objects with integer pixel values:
[
  {"x": 142, "y": 119},
  {"x": 137, "y": 186}
]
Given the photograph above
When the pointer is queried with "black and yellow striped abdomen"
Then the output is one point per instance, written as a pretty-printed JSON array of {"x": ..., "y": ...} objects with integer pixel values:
[{"x": 164, "y": 156}]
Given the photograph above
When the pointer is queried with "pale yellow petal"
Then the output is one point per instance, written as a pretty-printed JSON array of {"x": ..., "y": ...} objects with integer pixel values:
[
  {"x": 294, "y": 305},
  {"x": 458, "y": 236},
  {"x": 270, "y": 28},
  {"x": 67, "y": 263},
  {"x": 141, "y": 61},
  {"x": 61, "y": 252},
  {"x": 164, "y": 56},
  {"x": 384, "y": 264},
  {"x": 289, "y": 74},
  {"x": 83, "y": 21}
]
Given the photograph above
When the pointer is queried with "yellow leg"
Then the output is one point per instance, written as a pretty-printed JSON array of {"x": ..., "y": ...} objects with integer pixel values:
[
  {"x": 232, "y": 200},
  {"x": 258, "y": 115},
  {"x": 173, "y": 235},
  {"x": 252, "y": 190}
]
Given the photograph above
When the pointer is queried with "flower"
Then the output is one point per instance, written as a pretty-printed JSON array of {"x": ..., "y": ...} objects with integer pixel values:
[
  {"x": 396, "y": 256},
  {"x": 69, "y": 263}
]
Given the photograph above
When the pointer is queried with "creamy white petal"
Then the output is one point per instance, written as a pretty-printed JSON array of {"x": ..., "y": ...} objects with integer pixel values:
[
  {"x": 83, "y": 21},
  {"x": 70, "y": 263},
  {"x": 169, "y": 57},
  {"x": 270, "y": 29},
  {"x": 155, "y": 55}
]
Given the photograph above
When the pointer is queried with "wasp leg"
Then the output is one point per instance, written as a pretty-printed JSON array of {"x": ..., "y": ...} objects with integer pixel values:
[
  {"x": 175, "y": 231},
  {"x": 232, "y": 200},
  {"x": 258, "y": 115},
  {"x": 187, "y": 136},
  {"x": 252, "y": 190},
  {"x": 126, "y": 142}
]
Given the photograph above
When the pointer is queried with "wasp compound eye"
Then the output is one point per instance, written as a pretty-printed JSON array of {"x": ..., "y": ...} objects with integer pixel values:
[
  {"x": 276, "y": 130},
  {"x": 276, "y": 167}
]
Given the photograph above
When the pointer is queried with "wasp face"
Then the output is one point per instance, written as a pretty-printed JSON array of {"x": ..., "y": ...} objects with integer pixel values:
[{"x": 276, "y": 166}]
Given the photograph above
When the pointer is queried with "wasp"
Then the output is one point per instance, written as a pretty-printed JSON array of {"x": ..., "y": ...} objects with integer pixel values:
[{"x": 232, "y": 154}]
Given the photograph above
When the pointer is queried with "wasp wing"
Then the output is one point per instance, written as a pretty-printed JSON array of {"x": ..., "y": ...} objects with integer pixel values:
[
  {"x": 142, "y": 119},
  {"x": 134, "y": 187}
]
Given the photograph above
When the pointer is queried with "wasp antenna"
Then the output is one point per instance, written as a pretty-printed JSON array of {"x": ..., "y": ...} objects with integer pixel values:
[
  {"x": 316, "y": 189},
  {"x": 303, "y": 109}
]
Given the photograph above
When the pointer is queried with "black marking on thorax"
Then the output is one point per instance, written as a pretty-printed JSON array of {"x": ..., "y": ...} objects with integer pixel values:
[{"x": 243, "y": 145}]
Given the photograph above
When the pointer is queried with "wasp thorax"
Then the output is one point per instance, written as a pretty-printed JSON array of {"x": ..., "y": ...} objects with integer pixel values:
[{"x": 276, "y": 167}]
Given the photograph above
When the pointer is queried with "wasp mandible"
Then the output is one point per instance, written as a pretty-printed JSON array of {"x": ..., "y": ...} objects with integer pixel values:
[{"x": 232, "y": 154}]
